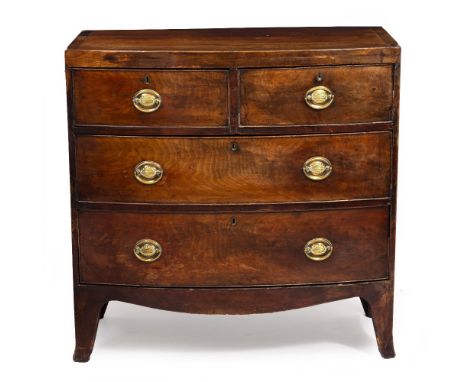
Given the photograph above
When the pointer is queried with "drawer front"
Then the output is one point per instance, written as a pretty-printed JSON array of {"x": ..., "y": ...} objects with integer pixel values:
[
  {"x": 209, "y": 250},
  {"x": 233, "y": 170},
  {"x": 277, "y": 96},
  {"x": 187, "y": 98}
]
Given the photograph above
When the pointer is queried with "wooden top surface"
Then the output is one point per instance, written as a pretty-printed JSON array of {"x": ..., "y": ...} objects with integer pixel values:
[
  {"x": 244, "y": 47},
  {"x": 250, "y": 39}
]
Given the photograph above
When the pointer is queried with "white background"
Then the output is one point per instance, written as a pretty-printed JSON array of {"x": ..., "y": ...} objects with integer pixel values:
[{"x": 331, "y": 342}]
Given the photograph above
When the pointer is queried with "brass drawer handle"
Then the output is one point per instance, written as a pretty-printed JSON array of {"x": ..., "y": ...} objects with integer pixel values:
[
  {"x": 317, "y": 168},
  {"x": 318, "y": 249},
  {"x": 147, "y": 100},
  {"x": 148, "y": 172},
  {"x": 319, "y": 97},
  {"x": 147, "y": 250}
]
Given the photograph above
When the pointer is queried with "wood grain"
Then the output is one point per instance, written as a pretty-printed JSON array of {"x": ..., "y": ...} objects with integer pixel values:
[
  {"x": 206, "y": 170},
  {"x": 233, "y": 39},
  {"x": 189, "y": 98},
  {"x": 210, "y": 250},
  {"x": 276, "y": 96},
  {"x": 223, "y": 48}
]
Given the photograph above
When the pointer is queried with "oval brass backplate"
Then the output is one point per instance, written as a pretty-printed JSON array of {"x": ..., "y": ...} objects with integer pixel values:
[
  {"x": 318, "y": 249},
  {"x": 319, "y": 97},
  {"x": 317, "y": 168},
  {"x": 148, "y": 172},
  {"x": 147, "y": 100},
  {"x": 147, "y": 250}
]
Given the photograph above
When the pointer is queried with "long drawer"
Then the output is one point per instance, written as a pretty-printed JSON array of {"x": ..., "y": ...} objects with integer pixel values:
[
  {"x": 236, "y": 249},
  {"x": 233, "y": 170}
]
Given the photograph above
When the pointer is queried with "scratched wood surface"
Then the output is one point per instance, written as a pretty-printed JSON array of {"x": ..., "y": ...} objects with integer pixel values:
[{"x": 241, "y": 47}]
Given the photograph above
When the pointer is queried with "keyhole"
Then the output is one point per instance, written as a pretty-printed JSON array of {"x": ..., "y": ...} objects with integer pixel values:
[
  {"x": 233, "y": 221},
  {"x": 234, "y": 147},
  {"x": 319, "y": 77},
  {"x": 146, "y": 79}
]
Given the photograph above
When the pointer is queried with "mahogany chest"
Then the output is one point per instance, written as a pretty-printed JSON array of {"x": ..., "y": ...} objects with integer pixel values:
[{"x": 233, "y": 171}]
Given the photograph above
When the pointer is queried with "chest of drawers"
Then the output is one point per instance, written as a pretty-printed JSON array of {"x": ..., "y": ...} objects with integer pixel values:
[{"x": 233, "y": 171}]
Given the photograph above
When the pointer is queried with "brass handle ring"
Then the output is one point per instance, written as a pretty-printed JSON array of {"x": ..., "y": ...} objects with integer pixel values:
[
  {"x": 147, "y": 100},
  {"x": 318, "y": 249},
  {"x": 147, "y": 250},
  {"x": 319, "y": 97},
  {"x": 317, "y": 168},
  {"x": 148, "y": 172}
]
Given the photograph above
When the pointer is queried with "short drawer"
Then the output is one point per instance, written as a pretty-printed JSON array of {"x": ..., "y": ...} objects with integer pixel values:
[
  {"x": 208, "y": 249},
  {"x": 233, "y": 170},
  {"x": 335, "y": 95},
  {"x": 151, "y": 97}
]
